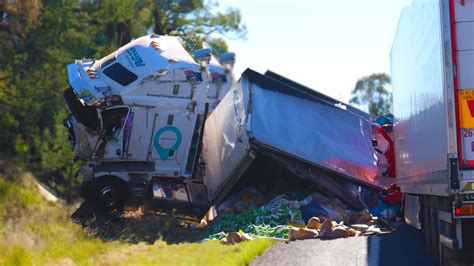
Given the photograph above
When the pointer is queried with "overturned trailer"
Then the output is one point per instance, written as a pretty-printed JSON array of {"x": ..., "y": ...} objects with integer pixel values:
[{"x": 312, "y": 135}]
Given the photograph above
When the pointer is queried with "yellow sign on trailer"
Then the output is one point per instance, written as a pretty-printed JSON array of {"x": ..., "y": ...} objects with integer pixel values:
[{"x": 466, "y": 114}]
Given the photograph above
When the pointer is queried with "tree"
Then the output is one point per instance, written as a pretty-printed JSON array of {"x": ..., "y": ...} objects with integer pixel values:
[
  {"x": 195, "y": 21},
  {"x": 372, "y": 90}
]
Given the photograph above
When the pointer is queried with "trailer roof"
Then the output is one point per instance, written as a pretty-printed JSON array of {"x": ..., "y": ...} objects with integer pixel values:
[
  {"x": 287, "y": 86},
  {"x": 315, "y": 93}
]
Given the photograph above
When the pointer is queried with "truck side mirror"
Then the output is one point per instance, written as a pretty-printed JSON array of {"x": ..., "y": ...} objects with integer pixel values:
[
  {"x": 203, "y": 55},
  {"x": 227, "y": 60}
]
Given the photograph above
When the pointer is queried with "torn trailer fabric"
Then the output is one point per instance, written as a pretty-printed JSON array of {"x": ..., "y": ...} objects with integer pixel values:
[{"x": 261, "y": 112}]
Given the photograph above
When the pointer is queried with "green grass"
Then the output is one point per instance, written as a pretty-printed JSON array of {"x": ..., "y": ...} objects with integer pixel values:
[{"x": 36, "y": 232}]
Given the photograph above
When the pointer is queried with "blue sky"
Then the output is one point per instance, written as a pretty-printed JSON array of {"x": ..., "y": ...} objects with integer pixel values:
[{"x": 324, "y": 44}]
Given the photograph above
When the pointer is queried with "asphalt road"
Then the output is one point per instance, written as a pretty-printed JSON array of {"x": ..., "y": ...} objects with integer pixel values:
[{"x": 405, "y": 246}]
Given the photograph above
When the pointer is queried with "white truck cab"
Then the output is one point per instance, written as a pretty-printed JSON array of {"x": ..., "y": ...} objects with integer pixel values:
[{"x": 137, "y": 116}]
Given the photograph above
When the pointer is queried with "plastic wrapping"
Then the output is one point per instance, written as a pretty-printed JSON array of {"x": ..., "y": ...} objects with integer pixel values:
[{"x": 316, "y": 132}]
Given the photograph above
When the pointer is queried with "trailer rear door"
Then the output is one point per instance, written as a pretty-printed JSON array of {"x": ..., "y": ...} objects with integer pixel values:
[{"x": 462, "y": 34}]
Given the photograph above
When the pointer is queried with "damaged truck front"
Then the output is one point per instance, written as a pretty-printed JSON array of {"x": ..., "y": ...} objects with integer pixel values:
[{"x": 137, "y": 117}]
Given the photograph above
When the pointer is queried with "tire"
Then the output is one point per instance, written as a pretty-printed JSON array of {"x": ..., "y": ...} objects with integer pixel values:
[
  {"x": 430, "y": 227},
  {"x": 107, "y": 193},
  {"x": 434, "y": 223}
]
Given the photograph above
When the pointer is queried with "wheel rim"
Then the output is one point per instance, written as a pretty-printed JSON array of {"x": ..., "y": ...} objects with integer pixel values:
[{"x": 108, "y": 196}]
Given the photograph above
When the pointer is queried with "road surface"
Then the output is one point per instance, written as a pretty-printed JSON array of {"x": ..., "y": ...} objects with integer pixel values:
[{"x": 405, "y": 246}]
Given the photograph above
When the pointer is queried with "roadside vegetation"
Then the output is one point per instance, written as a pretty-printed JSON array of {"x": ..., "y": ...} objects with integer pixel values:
[{"x": 34, "y": 231}]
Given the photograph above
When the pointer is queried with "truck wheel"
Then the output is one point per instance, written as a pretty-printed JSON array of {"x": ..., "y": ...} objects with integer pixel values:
[{"x": 108, "y": 193}]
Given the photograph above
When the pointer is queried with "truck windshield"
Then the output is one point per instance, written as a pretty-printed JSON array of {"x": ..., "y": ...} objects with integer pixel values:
[
  {"x": 108, "y": 62},
  {"x": 84, "y": 114},
  {"x": 120, "y": 74}
]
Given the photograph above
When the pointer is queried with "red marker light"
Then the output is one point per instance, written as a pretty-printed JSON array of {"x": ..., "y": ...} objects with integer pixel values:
[
  {"x": 464, "y": 209},
  {"x": 457, "y": 211}
]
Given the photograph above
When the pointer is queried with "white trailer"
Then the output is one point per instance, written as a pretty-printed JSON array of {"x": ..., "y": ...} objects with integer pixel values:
[{"x": 433, "y": 85}]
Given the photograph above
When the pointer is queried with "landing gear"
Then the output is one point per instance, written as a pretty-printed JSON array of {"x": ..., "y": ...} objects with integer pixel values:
[{"x": 106, "y": 193}]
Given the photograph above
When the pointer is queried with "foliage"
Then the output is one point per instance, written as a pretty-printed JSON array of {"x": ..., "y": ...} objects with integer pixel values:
[
  {"x": 56, "y": 161},
  {"x": 39, "y": 38},
  {"x": 15, "y": 197},
  {"x": 195, "y": 21},
  {"x": 372, "y": 90},
  {"x": 260, "y": 222},
  {"x": 258, "y": 230},
  {"x": 37, "y": 232}
]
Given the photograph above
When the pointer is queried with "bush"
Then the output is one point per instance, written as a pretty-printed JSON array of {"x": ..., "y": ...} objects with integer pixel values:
[{"x": 57, "y": 159}]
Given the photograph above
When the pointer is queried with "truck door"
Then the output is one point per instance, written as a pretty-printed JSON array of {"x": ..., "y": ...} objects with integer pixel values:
[
  {"x": 142, "y": 120},
  {"x": 115, "y": 133},
  {"x": 463, "y": 57},
  {"x": 170, "y": 142}
]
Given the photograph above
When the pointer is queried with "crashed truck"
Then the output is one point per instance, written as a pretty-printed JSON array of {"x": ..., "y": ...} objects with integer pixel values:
[
  {"x": 137, "y": 114},
  {"x": 151, "y": 122}
]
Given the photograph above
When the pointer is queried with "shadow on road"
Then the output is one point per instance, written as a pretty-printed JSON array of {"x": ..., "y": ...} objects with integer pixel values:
[{"x": 404, "y": 246}]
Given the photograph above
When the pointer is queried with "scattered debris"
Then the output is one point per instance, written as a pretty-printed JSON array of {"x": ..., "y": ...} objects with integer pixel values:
[
  {"x": 302, "y": 233},
  {"x": 333, "y": 230},
  {"x": 360, "y": 227},
  {"x": 270, "y": 220},
  {"x": 282, "y": 218},
  {"x": 43, "y": 189},
  {"x": 314, "y": 223},
  {"x": 235, "y": 237},
  {"x": 362, "y": 217},
  {"x": 235, "y": 203},
  {"x": 387, "y": 202}
]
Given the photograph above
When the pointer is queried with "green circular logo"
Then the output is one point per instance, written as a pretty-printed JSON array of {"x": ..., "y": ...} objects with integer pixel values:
[{"x": 167, "y": 139}]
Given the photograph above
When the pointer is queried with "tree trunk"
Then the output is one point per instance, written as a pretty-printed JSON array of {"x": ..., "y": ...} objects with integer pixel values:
[
  {"x": 124, "y": 33},
  {"x": 157, "y": 14}
]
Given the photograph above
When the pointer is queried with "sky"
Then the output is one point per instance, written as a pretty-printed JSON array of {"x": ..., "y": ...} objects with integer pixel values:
[{"x": 326, "y": 45}]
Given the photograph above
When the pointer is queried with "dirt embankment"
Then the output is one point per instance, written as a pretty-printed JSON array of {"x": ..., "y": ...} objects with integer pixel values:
[{"x": 135, "y": 227}]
